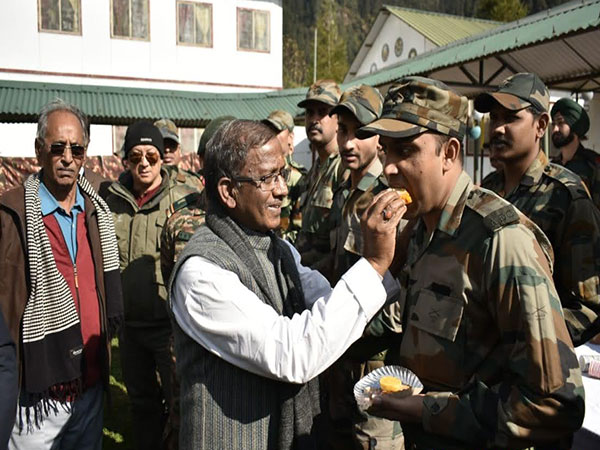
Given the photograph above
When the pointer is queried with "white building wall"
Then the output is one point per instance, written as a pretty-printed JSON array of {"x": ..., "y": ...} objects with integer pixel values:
[
  {"x": 391, "y": 30},
  {"x": 96, "y": 58}
]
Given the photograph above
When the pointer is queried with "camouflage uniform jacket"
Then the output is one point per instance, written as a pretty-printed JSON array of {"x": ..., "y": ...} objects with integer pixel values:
[
  {"x": 348, "y": 206},
  {"x": 181, "y": 176},
  {"x": 185, "y": 217},
  {"x": 291, "y": 216},
  {"x": 557, "y": 201},
  {"x": 484, "y": 330},
  {"x": 322, "y": 181},
  {"x": 586, "y": 164}
]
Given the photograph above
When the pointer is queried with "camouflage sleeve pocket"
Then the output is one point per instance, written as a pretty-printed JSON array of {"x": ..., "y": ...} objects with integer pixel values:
[
  {"x": 437, "y": 314},
  {"x": 324, "y": 197},
  {"x": 540, "y": 318}
]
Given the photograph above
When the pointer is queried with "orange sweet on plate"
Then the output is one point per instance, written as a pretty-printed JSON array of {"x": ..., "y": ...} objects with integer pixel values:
[{"x": 392, "y": 384}]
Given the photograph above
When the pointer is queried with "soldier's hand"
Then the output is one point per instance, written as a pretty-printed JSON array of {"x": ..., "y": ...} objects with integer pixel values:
[
  {"x": 379, "y": 223},
  {"x": 404, "y": 409}
]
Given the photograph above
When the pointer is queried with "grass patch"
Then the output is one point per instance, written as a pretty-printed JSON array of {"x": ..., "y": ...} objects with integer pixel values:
[{"x": 117, "y": 417}]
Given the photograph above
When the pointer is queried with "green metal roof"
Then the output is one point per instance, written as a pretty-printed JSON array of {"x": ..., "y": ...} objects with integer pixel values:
[
  {"x": 441, "y": 29},
  {"x": 20, "y": 102},
  {"x": 559, "y": 22}
]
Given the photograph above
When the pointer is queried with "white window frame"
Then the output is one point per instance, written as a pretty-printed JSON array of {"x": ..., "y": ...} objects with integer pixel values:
[
  {"x": 253, "y": 11},
  {"x": 59, "y": 31},
  {"x": 194, "y": 44},
  {"x": 116, "y": 36}
]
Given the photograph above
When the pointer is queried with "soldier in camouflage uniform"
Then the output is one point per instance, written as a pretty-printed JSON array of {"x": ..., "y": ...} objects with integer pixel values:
[
  {"x": 482, "y": 325},
  {"x": 173, "y": 156},
  {"x": 351, "y": 428},
  {"x": 570, "y": 125},
  {"x": 553, "y": 197},
  {"x": 282, "y": 123},
  {"x": 325, "y": 175}
]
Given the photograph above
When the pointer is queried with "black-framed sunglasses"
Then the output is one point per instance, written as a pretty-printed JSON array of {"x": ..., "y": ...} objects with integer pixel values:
[
  {"x": 58, "y": 149},
  {"x": 268, "y": 182}
]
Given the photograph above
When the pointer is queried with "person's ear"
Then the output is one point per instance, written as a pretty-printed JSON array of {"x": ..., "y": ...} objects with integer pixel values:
[
  {"x": 541, "y": 124},
  {"x": 451, "y": 153},
  {"x": 38, "y": 145},
  {"x": 225, "y": 188}
]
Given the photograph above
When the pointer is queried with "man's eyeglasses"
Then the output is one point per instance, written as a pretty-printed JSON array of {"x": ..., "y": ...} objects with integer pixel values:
[
  {"x": 136, "y": 157},
  {"x": 58, "y": 149},
  {"x": 268, "y": 182}
]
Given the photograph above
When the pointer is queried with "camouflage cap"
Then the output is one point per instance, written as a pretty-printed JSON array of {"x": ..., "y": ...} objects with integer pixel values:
[
  {"x": 364, "y": 102},
  {"x": 280, "y": 120},
  {"x": 324, "y": 91},
  {"x": 516, "y": 92},
  {"x": 168, "y": 129},
  {"x": 210, "y": 130},
  {"x": 417, "y": 104}
]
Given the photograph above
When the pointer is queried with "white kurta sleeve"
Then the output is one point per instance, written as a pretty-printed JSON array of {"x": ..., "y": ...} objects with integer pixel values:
[{"x": 215, "y": 309}]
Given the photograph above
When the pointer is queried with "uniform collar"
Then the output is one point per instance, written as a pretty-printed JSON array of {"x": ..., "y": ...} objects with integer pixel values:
[
  {"x": 453, "y": 211},
  {"x": 535, "y": 170},
  {"x": 375, "y": 170}
]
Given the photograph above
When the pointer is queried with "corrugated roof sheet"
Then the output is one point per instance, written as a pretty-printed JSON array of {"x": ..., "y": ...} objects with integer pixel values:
[
  {"x": 21, "y": 101},
  {"x": 559, "y": 22},
  {"x": 441, "y": 29}
]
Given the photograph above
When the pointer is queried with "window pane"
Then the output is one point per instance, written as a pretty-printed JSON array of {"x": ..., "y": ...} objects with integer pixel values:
[
  {"x": 120, "y": 17},
  {"x": 139, "y": 14},
  {"x": 244, "y": 28},
  {"x": 49, "y": 13},
  {"x": 186, "y": 23},
  {"x": 261, "y": 30},
  {"x": 70, "y": 15},
  {"x": 203, "y": 24}
]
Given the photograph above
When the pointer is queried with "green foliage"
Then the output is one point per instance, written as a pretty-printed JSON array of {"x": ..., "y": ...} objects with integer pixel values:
[
  {"x": 501, "y": 10},
  {"x": 295, "y": 70},
  {"x": 354, "y": 18},
  {"x": 332, "y": 57},
  {"x": 117, "y": 416}
]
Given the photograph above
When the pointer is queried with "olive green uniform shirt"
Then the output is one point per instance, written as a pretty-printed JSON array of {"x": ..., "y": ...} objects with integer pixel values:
[
  {"x": 558, "y": 202},
  {"x": 483, "y": 329},
  {"x": 322, "y": 181}
]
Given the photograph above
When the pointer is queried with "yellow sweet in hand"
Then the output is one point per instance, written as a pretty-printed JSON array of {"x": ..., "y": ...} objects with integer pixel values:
[
  {"x": 404, "y": 195},
  {"x": 392, "y": 384}
]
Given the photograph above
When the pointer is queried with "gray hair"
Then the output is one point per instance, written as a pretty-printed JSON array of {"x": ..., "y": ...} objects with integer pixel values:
[
  {"x": 227, "y": 150},
  {"x": 60, "y": 105}
]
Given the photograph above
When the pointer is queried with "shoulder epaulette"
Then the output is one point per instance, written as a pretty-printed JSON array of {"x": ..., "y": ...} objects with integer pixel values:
[
  {"x": 180, "y": 177},
  {"x": 568, "y": 179},
  {"x": 183, "y": 202},
  {"x": 298, "y": 166},
  {"x": 495, "y": 211}
]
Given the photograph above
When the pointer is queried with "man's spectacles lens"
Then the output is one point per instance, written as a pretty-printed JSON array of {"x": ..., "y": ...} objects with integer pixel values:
[
  {"x": 268, "y": 182},
  {"x": 151, "y": 157},
  {"x": 58, "y": 149}
]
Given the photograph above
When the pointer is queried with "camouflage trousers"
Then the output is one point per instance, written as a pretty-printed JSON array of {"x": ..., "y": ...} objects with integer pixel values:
[{"x": 348, "y": 427}]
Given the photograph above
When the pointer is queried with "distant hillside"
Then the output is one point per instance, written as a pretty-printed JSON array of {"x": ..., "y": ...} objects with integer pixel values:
[{"x": 355, "y": 18}]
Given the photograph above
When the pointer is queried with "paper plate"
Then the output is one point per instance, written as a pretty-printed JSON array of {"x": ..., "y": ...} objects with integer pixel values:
[{"x": 362, "y": 392}]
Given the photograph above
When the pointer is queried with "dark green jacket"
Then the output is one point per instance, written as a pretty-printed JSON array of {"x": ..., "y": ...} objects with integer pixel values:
[{"x": 138, "y": 235}]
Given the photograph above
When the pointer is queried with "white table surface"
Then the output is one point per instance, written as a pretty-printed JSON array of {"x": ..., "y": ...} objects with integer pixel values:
[{"x": 592, "y": 391}]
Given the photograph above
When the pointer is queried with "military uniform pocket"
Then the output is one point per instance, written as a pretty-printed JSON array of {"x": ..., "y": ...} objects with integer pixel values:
[
  {"x": 437, "y": 314},
  {"x": 324, "y": 197}
]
